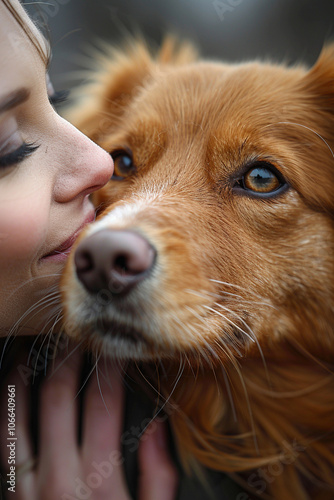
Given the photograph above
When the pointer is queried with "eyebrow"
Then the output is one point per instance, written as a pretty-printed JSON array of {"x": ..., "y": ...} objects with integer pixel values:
[{"x": 14, "y": 99}]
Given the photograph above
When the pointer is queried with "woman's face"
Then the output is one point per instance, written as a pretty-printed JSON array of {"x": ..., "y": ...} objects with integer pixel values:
[{"x": 47, "y": 171}]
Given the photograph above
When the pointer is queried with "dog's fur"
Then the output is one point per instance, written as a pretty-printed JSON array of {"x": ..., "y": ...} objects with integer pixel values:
[{"x": 237, "y": 313}]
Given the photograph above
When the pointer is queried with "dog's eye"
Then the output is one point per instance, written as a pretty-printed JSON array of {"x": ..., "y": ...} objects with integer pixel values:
[
  {"x": 261, "y": 179},
  {"x": 123, "y": 164}
]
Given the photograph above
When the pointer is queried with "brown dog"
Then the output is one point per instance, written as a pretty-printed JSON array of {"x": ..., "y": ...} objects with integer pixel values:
[{"x": 214, "y": 258}]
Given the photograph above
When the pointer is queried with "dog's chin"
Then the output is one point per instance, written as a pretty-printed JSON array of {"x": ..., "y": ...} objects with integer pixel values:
[
  {"x": 119, "y": 341},
  {"x": 117, "y": 331}
]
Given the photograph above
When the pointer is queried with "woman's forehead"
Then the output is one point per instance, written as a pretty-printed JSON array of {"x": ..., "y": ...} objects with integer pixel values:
[{"x": 18, "y": 36}]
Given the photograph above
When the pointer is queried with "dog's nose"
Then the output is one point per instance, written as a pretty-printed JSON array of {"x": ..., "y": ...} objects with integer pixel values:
[{"x": 113, "y": 260}]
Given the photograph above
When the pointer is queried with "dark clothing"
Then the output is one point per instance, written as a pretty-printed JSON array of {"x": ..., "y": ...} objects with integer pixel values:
[
  {"x": 138, "y": 413},
  {"x": 137, "y": 416}
]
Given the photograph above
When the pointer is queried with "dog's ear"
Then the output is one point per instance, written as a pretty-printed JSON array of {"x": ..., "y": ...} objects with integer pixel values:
[
  {"x": 318, "y": 87},
  {"x": 121, "y": 75},
  {"x": 320, "y": 78}
]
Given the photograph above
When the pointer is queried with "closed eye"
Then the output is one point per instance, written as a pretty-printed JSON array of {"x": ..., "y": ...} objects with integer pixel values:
[
  {"x": 59, "y": 97},
  {"x": 18, "y": 155}
]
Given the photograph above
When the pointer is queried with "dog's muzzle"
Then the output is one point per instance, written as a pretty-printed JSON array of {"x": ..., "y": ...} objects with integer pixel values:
[{"x": 113, "y": 260}]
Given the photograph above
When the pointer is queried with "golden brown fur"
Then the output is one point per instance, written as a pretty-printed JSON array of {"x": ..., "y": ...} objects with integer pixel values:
[{"x": 240, "y": 305}]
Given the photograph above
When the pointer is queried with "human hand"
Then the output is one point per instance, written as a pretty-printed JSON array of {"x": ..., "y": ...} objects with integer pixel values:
[{"x": 93, "y": 470}]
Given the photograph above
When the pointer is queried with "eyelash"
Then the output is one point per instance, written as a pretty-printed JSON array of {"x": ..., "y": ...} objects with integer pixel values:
[
  {"x": 25, "y": 150},
  {"x": 59, "y": 97}
]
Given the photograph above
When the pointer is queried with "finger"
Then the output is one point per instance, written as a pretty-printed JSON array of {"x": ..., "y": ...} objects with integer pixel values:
[
  {"x": 16, "y": 446},
  {"x": 102, "y": 428},
  {"x": 103, "y": 413},
  {"x": 158, "y": 476},
  {"x": 58, "y": 423}
]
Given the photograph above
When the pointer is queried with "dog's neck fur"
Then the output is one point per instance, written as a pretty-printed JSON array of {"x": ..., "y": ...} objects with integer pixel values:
[{"x": 273, "y": 419}]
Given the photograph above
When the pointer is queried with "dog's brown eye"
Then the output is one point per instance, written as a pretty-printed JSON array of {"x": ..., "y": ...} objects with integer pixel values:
[
  {"x": 261, "y": 180},
  {"x": 123, "y": 164}
]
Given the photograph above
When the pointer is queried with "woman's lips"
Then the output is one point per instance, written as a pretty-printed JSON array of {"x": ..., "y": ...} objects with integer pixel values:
[{"x": 60, "y": 253}]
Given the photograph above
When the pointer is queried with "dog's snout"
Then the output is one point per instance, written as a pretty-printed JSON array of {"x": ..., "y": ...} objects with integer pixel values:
[{"x": 113, "y": 260}]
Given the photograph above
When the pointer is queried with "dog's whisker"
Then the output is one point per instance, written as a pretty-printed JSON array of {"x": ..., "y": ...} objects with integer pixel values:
[
  {"x": 225, "y": 283},
  {"x": 261, "y": 302},
  {"x": 60, "y": 337},
  {"x": 48, "y": 300},
  {"x": 38, "y": 355},
  {"x": 223, "y": 346},
  {"x": 229, "y": 393},
  {"x": 309, "y": 355},
  {"x": 178, "y": 377},
  {"x": 247, "y": 291},
  {"x": 84, "y": 383},
  {"x": 250, "y": 331},
  {"x": 241, "y": 378},
  {"x": 199, "y": 336},
  {"x": 216, "y": 380},
  {"x": 99, "y": 386},
  {"x": 240, "y": 300},
  {"x": 51, "y": 299},
  {"x": 41, "y": 333},
  {"x": 230, "y": 296},
  {"x": 148, "y": 382},
  {"x": 33, "y": 279},
  {"x": 305, "y": 127},
  {"x": 57, "y": 319},
  {"x": 192, "y": 339},
  {"x": 65, "y": 359},
  {"x": 189, "y": 363},
  {"x": 235, "y": 348},
  {"x": 229, "y": 321},
  {"x": 248, "y": 404}
]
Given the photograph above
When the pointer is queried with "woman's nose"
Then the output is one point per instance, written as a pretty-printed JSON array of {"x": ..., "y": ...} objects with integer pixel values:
[{"x": 85, "y": 167}]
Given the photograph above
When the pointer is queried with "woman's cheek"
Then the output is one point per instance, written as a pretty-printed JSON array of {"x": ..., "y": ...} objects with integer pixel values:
[{"x": 23, "y": 228}]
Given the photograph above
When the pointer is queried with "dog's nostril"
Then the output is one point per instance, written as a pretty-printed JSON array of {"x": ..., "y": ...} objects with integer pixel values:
[
  {"x": 120, "y": 264},
  {"x": 83, "y": 261},
  {"x": 113, "y": 260}
]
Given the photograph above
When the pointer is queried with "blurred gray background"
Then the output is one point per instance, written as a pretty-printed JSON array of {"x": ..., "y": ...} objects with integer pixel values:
[{"x": 282, "y": 30}]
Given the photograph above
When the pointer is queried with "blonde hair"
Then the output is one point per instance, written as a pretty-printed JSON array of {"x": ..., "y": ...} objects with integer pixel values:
[{"x": 44, "y": 54}]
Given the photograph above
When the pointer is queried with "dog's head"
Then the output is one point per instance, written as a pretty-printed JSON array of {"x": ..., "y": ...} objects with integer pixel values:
[{"x": 216, "y": 234}]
